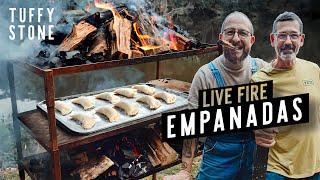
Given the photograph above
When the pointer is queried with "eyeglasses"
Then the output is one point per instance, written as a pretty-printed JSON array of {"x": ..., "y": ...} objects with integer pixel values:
[
  {"x": 283, "y": 36},
  {"x": 243, "y": 34}
]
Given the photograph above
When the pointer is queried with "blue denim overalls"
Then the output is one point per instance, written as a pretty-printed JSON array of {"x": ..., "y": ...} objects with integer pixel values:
[{"x": 228, "y": 156}]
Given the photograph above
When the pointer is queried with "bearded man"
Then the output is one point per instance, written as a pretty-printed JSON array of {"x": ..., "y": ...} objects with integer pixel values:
[
  {"x": 294, "y": 150},
  {"x": 228, "y": 156}
]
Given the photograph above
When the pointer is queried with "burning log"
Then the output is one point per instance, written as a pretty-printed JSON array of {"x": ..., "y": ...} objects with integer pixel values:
[
  {"x": 179, "y": 42},
  {"x": 78, "y": 34},
  {"x": 152, "y": 50},
  {"x": 149, "y": 46},
  {"x": 121, "y": 27}
]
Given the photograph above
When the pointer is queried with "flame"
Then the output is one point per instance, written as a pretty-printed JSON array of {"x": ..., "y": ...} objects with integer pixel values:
[
  {"x": 142, "y": 37},
  {"x": 170, "y": 35},
  {"x": 147, "y": 47}
]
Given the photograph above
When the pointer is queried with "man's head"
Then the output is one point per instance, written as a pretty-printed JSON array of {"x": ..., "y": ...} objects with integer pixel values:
[
  {"x": 237, "y": 29},
  {"x": 287, "y": 36}
]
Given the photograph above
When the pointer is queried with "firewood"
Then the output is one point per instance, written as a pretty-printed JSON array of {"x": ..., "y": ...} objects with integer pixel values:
[
  {"x": 99, "y": 45},
  {"x": 136, "y": 54},
  {"x": 94, "y": 168},
  {"x": 78, "y": 34},
  {"x": 178, "y": 42},
  {"x": 121, "y": 28},
  {"x": 152, "y": 156},
  {"x": 163, "y": 151},
  {"x": 152, "y": 50},
  {"x": 80, "y": 159}
]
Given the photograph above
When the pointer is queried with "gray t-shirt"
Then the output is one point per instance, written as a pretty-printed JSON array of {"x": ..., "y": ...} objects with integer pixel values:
[{"x": 232, "y": 75}]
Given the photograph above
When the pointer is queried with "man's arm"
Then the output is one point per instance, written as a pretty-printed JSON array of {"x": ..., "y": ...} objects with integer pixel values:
[{"x": 188, "y": 152}]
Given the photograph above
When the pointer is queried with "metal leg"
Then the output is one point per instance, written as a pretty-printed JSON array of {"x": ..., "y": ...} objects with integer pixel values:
[
  {"x": 16, "y": 125},
  {"x": 154, "y": 176},
  {"x": 158, "y": 70},
  {"x": 50, "y": 95}
]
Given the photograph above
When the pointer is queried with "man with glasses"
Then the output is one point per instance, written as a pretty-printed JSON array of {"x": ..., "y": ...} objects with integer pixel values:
[
  {"x": 228, "y": 156},
  {"x": 294, "y": 150}
]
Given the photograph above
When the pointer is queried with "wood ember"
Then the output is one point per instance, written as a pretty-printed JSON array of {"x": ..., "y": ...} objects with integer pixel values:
[
  {"x": 78, "y": 34},
  {"x": 94, "y": 168}
]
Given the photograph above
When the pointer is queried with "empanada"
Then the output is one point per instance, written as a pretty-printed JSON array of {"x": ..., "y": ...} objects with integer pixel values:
[
  {"x": 63, "y": 107},
  {"x": 127, "y": 92},
  {"x": 130, "y": 109},
  {"x": 144, "y": 88},
  {"x": 87, "y": 121},
  {"x": 85, "y": 102},
  {"x": 167, "y": 97},
  {"x": 112, "y": 114},
  {"x": 109, "y": 96},
  {"x": 151, "y": 101}
]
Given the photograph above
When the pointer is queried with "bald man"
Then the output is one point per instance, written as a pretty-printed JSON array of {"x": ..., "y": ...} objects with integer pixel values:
[{"x": 228, "y": 156}]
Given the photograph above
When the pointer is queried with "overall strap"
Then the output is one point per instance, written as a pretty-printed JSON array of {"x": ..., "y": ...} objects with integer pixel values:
[
  {"x": 253, "y": 64},
  {"x": 216, "y": 74}
]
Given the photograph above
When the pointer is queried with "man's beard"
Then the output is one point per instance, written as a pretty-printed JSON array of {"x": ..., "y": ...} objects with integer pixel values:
[
  {"x": 287, "y": 56},
  {"x": 230, "y": 56}
]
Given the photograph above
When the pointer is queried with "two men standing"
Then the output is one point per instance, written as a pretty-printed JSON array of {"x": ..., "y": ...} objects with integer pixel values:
[{"x": 294, "y": 150}]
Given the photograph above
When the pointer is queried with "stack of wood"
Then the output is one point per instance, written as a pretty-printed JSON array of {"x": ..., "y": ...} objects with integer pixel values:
[
  {"x": 114, "y": 33},
  {"x": 159, "y": 153}
]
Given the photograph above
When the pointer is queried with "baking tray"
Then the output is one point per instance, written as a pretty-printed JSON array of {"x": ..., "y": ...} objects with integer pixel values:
[{"x": 103, "y": 123}]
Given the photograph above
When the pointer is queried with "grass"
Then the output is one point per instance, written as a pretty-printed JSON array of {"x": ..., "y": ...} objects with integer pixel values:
[{"x": 175, "y": 169}]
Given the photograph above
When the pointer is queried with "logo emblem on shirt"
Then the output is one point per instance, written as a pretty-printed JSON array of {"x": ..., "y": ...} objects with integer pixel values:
[{"x": 307, "y": 82}]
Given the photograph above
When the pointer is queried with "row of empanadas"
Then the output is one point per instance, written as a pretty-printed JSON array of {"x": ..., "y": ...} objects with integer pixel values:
[{"x": 150, "y": 101}]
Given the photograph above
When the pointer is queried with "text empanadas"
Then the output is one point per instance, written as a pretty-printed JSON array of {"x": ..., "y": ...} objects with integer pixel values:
[
  {"x": 63, "y": 107},
  {"x": 167, "y": 97},
  {"x": 85, "y": 102},
  {"x": 87, "y": 121},
  {"x": 112, "y": 114},
  {"x": 130, "y": 109},
  {"x": 144, "y": 88},
  {"x": 128, "y": 92},
  {"x": 109, "y": 96},
  {"x": 151, "y": 101}
]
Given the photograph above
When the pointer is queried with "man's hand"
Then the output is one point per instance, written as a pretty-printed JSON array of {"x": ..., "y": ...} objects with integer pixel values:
[
  {"x": 266, "y": 137},
  {"x": 182, "y": 175}
]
